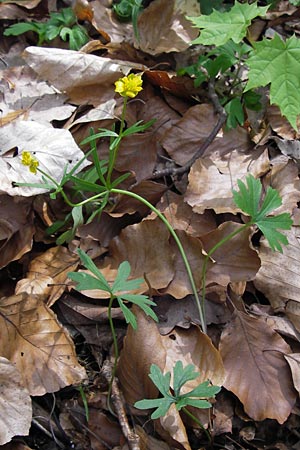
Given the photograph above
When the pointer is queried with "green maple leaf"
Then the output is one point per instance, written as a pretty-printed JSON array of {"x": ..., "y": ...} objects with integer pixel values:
[
  {"x": 248, "y": 199},
  {"x": 220, "y": 27},
  {"x": 275, "y": 62}
]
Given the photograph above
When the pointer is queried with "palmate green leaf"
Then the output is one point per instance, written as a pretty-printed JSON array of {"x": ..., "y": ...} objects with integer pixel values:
[
  {"x": 219, "y": 27},
  {"x": 247, "y": 199},
  {"x": 277, "y": 63},
  {"x": 162, "y": 405},
  {"x": 143, "y": 302},
  {"x": 182, "y": 375},
  {"x": 203, "y": 390},
  {"x": 196, "y": 403},
  {"x": 83, "y": 280},
  {"x": 161, "y": 381}
]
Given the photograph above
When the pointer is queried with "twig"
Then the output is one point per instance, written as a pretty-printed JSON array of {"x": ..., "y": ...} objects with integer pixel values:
[
  {"x": 118, "y": 401},
  {"x": 210, "y": 138}
]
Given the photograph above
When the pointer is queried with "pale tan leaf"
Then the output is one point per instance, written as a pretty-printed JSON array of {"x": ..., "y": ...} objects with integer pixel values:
[
  {"x": 90, "y": 78},
  {"x": 149, "y": 442},
  {"x": 15, "y": 403},
  {"x": 163, "y": 27},
  {"x": 54, "y": 148},
  {"x": 33, "y": 340},
  {"x": 212, "y": 179},
  {"x": 35, "y": 98},
  {"x": 16, "y": 228},
  {"x": 47, "y": 274},
  {"x": 294, "y": 362},
  {"x": 256, "y": 371},
  {"x": 279, "y": 276}
]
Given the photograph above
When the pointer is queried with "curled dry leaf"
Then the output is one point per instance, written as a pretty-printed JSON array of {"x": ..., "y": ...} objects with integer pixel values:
[
  {"x": 163, "y": 27},
  {"x": 294, "y": 362},
  {"x": 15, "y": 403},
  {"x": 281, "y": 287},
  {"x": 47, "y": 274},
  {"x": 256, "y": 371},
  {"x": 16, "y": 228},
  {"x": 41, "y": 349}
]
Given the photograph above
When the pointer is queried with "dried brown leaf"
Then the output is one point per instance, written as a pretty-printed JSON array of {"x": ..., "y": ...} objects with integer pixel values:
[
  {"x": 294, "y": 362},
  {"x": 33, "y": 340},
  {"x": 279, "y": 276},
  {"x": 233, "y": 261},
  {"x": 15, "y": 403},
  {"x": 16, "y": 228},
  {"x": 47, "y": 274},
  {"x": 256, "y": 371}
]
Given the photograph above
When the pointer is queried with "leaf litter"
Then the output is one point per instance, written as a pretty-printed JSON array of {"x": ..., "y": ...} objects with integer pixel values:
[{"x": 53, "y": 336}]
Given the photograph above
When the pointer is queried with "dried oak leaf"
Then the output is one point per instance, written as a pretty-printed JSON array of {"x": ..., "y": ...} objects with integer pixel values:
[
  {"x": 256, "y": 371},
  {"x": 41, "y": 349}
]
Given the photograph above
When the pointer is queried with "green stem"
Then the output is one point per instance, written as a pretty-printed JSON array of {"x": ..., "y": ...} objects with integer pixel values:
[
  {"x": 188, "y": 413},
  {"x": 212, "y": 250},
  {"x": 179, "y": 245},
  {"x": 112, "y": 159},
  {"x": 115, "y": 344}
]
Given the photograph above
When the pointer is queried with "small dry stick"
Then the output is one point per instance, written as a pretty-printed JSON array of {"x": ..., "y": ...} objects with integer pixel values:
[
  {"x": 118, "y": 401},
  {"x": 173, "y": 171}
]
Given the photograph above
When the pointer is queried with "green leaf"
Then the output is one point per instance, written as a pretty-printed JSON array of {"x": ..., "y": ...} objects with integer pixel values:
[
  {"x": 248, "y": 196},
  {"x": 23, "y": 27},
  {"x": 161, "y": 381},
  {"x": 219, "y": 27},
  {"x": 277, "y": 63},
  {"x": 269, "y": 225},
  {"x": 182, "y": 375},
  {"x": 235, "y": 113},
  {"x": 86, "y": 282},
  {"x": 204, "y": 390},
  {"x": 143, "y": 302},
  {"x": 162, "y": 405},
  {"x": 247, "y": 199},
  {"x": 202, "y": 404},
  {"x": 129, "y": 316},
  {"x": 89, "y": 264}
]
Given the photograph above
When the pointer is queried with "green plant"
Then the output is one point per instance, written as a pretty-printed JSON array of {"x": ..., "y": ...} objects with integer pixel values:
[
  {"x": 196, "y": 398},
  {"x": 127, "y": 10},
  {"x": 270, "y": 61},
  {"x": 248, "y": 199},
  {"x": 96, "y": 185},
  {"x": 63, "y": 24}
]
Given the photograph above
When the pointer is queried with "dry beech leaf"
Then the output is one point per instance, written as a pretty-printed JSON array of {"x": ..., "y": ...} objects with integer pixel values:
[
  {"x": 163, "y": 27},
  {"x": 294, "y": 362},
  {"x": 16, "y": 228},
  {"x": 53, "y": 147},
  {"x": 234, "y": 261},
  {"x": 85, "y": 78},
  {"x": 173, "y": 424},
  {"x": 47, "y": 274},
  {"x": 33, "y": 340},
  {"x": 279, "y": 276},
  {"x": 15, "y": 403},
  {"x": 185, "y": 136},
  {"x": 256, "y": 371},
  {"x": 35, "y": 98},
  {"x": 212, "y": 179},
  {"x": 149, "y": 442}
]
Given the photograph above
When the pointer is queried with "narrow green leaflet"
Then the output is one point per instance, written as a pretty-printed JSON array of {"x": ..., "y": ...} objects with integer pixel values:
[
  {"x": 219, "y": 27},
  {"x": 247, "y": 199},
  {"x": 277, "y": 63}
]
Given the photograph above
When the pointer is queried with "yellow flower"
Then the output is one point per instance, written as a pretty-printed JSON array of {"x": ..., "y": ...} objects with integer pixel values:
[
  {"x": 30, "y": 161},
  {"x": 129, "y": 86}
]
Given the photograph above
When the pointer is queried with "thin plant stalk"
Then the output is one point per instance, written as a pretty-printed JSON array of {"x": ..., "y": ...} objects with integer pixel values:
[
  {"x": 115, "y": 344},
  {"x": 188, "y": 413}
]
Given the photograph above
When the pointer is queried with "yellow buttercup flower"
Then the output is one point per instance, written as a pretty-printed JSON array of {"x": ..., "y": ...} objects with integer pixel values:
[
  {"x": 129, "y": 86},
  {"x": 30, "y": 161}
]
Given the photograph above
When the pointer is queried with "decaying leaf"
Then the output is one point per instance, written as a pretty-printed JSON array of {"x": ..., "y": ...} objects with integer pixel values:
[
  {"x": 256, "y": 371},
  {"x": 41, "y": 349},
  {"x": 15, "y": 403}
]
